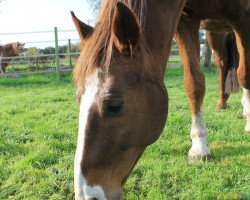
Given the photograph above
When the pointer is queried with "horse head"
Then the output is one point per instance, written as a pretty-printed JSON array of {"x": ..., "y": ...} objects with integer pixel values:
[
  {"x": 18, "y": 48},
  {"x": 123, "y": 108}
]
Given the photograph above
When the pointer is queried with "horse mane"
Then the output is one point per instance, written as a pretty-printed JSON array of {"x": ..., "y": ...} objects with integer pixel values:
[{"x": 98, "y": 49}]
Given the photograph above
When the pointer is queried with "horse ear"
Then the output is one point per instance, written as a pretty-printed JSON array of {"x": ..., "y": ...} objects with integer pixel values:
[
  {"x": 125, "y": 28},
  {"x": 84, "y": 30}
]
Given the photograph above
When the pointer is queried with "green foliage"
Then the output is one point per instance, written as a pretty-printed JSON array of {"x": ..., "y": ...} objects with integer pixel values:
[
  {"x": 38, "y": 127},
  {"x": 48, "y": 50},
  {"x": 75, "y": 48},
  {"x": 95, "y": 5},
  {"x": 32, "y": 51},
  {"x": 202, "y": 36},
  {"x": 35, "y": 61},
  {"x": 63, "y": 49}
]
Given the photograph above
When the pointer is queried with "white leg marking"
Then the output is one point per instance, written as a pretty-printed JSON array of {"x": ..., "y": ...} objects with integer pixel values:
[
  {"x": 246, "y": 107},
  {"x": 198, "y": 135},
  {"x": 82, "y": 190}
]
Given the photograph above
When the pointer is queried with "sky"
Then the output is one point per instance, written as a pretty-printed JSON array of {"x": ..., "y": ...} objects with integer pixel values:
[{"x": 19, "y": 16}]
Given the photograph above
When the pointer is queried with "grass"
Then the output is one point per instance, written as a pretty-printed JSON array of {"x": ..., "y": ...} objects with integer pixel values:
[
  {"x": 38, "y": 130},
  {"x": 38, "y": 65}
]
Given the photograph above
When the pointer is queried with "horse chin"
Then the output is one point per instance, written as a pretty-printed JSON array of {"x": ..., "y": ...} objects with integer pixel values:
[{"x": 109, "y": 180}]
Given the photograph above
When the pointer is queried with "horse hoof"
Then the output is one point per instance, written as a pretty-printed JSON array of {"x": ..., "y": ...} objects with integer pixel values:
[
  {"x": 197, "y": 159},
  {"x": 221, "y": 106}
]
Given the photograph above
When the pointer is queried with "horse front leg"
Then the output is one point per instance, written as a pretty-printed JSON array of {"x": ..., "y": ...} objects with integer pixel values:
[
  {"x": 243, "y": 72},
  {"x": 246, "y": 108},
  {"x": 188, "y": 41},
  {"x": 1, "y": 69}
]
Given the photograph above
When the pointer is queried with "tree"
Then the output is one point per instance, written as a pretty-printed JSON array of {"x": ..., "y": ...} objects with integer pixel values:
[
  {"x": 95, "y": 4},
  {"x": 32, "y": 51},
  {"x": 48, "y": 50},
  {"x": 75, "y": 48},
  {"x": 36, "y": 61},
  {"x": 62, "y": 50}
]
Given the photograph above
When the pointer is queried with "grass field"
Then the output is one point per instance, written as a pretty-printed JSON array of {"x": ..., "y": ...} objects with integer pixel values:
[
  {"x": 38, "y": 130},
  {"x": 37, "y": 65}
]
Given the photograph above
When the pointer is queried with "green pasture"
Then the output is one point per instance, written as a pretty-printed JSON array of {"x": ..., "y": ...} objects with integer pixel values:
[{"x": 38, "y": 132}]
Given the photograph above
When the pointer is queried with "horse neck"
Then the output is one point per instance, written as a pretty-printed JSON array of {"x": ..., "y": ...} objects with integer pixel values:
[{"x": 159, "y": 26}]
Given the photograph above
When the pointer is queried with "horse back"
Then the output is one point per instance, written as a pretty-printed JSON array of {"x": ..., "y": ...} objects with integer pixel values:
[{"x": 217, "y": 9}]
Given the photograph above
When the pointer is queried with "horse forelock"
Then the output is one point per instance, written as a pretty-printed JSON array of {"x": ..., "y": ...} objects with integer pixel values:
[{"x": 98, "y": 50}]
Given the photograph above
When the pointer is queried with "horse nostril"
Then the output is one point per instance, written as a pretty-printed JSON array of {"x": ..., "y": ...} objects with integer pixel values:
[{"x": 113, "y": 107}]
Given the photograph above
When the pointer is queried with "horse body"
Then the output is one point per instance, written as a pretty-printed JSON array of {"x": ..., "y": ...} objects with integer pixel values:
[
  {"x": 233, "y": 15},
  {"x": 120, "y": 84},
  {"x": 221, "y": 10},
  {"x": 123, "y": 100},
  {"x": 10, "y": 50}
]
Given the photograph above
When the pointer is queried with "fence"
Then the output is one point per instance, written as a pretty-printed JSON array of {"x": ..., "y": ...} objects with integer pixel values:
[{"x": 56, "y": 61}]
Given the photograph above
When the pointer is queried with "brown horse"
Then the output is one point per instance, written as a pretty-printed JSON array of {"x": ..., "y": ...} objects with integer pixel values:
[
  {"x": 9, "y": 50},
  {"x": 120, "y": 73},
  {"x": 227, "y": 60},
  {"x": 123, "y": 100},
  {"x": 232, "y": 14}
]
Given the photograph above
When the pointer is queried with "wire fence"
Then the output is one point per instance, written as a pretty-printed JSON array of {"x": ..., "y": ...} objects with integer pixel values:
[
  {"x": 53, "y": 54},
  {"x": 57, "y": 60}
]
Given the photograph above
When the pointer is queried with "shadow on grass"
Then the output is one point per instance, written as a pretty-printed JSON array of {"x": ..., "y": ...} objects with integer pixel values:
[
  {"x": 218, "y": 152},
  {"x": 223, "y": 152},
  {"x": 7, "y": 148}
]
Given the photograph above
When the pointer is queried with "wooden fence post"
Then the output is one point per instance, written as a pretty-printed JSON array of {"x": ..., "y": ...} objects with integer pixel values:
[
  {"x": 70, "y": 58},
  {"x": 56, "y": 53}
]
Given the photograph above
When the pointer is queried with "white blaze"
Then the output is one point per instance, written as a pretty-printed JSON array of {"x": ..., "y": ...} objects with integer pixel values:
[
  {"x": 82, "y": 190},
  {"x": 246, "y": 107},
  {"x": 198, "y": 135}
]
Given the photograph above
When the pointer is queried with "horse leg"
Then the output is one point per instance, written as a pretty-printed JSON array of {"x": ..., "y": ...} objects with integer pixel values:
[
  {"x": 216, "y": 41},
  {"x": 243, "y": 72},
  {"x": 3, "y": 67},
  {"x": 188, "y": 41},
  {"x": 1, "y": 70}
]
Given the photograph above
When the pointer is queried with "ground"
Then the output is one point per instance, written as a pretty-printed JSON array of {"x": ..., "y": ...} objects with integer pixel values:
[{"x": 38, "y": 130}]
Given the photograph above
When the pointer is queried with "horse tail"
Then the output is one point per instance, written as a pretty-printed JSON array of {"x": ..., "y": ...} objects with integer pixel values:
[{"x": 231, "y": 83}]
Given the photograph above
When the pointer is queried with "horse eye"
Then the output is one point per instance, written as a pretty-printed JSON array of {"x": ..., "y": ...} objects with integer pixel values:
[{"x": 113, "y": 107}]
